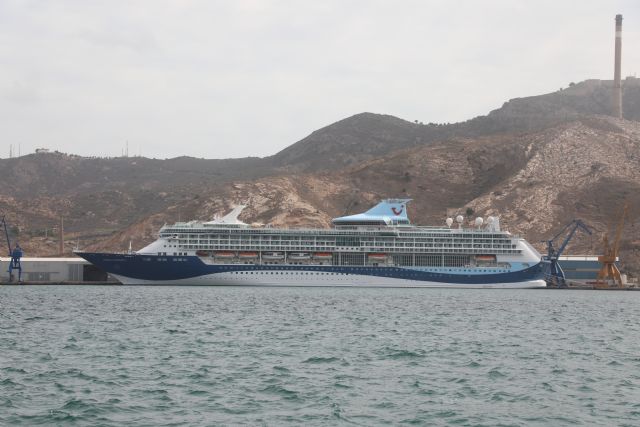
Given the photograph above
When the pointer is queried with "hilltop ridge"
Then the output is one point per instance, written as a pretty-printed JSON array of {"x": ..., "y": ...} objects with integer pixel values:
[{"x": 367, "y": 135}]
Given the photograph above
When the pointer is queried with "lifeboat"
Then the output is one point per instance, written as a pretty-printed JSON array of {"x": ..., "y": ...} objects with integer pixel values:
[
  {"x": 203, "y": 253},
  {"x": 225, "y": 254},
  {"x": 273, "y": 255},
  {"x": 322, "y": 255},
  {"x": 378, "y": 256},
  {"x": 247, "y": 255},
  {"x": 299, "y": 255},
  {"x": 485, "y": 259}
]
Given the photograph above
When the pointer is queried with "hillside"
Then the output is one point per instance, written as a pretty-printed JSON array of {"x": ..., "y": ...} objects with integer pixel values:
[
  {"x": 60, "y": 174},
  {"x": 538, "y": 162},
  {"x": 535, "y": 182}
]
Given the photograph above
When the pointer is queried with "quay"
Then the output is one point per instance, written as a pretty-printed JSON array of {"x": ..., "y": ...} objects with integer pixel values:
[
  {"x": 73, "y": 283},
  {"x": 582, "y": 286}
]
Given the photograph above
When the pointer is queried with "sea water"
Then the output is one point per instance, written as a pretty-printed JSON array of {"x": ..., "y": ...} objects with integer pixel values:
[{"x": 320, "y": 356}]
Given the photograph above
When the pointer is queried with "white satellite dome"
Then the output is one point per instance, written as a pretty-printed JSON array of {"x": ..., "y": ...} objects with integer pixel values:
[
  {"x": 459, "y": 219},
  {"x": 449, "y": 222},
  {"x": 490, "y": 220},
  {"x": 479, "y": 221}
]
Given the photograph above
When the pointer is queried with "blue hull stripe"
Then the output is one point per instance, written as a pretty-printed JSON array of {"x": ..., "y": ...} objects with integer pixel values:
[{"x": 161, "y": 268}]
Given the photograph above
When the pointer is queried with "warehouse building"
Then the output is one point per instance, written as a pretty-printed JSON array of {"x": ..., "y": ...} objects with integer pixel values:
[
  {"x": 72, "y": 269},
  {"x": 582, "y": 268}
]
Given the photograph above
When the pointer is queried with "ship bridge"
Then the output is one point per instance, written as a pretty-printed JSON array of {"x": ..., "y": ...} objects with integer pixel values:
[{"x": 389, "y": 212}]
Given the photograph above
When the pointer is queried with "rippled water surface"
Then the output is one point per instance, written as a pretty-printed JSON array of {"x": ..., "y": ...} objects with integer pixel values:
[{"x": 323, "y": 356}]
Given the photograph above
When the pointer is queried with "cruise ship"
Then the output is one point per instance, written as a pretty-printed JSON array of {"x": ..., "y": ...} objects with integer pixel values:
[{"x": 379, "y": 247}]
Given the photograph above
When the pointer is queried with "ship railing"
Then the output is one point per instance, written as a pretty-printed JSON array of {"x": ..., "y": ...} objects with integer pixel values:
[
  {"x": 405, "y": 238},
  {"x": 198, "y": 226}
]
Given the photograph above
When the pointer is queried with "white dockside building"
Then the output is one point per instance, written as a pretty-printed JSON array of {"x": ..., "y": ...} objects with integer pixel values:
[{"x": 71, "y": 269}]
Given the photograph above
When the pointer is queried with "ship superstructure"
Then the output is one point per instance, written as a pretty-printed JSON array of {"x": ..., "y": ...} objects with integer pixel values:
[{"x": 379, "y": 247}]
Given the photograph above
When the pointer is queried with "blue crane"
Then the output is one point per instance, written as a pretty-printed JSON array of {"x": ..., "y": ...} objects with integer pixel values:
[
  {"x": 553, "y": 272},
  {"x": 14, "y": 255}
]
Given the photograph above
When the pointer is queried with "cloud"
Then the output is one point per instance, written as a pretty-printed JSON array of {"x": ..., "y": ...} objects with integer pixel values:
[
  {"x": 240, "y": 78},
  {"x": 20, "y": 94}
]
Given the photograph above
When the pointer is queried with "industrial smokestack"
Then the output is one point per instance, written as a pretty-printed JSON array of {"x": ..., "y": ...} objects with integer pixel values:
[
  {"x": 61, "y": 237},
  {"x": 617, "y": 85}
]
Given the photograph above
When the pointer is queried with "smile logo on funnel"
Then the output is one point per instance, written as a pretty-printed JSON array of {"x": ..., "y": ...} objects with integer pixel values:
[{"x": 396, "y": 211}]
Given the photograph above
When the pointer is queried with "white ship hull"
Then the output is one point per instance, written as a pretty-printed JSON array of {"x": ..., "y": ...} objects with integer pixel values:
[{"x": 288, "y": 278}]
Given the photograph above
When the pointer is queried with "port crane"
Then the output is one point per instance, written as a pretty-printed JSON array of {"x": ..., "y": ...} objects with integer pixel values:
[
  {"x": 609, "y": 272},
  {"x": 14, "y": 255},
  {"x": 553, "y": 273}
]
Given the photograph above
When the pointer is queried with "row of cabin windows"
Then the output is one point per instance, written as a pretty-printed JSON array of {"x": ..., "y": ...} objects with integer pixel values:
[
  {"x": 391, "y": 243},
  {"x": 343, "y": 240},
  {"x": 302, "y": 248},
  {"x": 248, "y": 245}
]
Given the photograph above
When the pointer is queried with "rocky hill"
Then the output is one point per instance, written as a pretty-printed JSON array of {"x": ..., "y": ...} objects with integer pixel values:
[
  {"x": 59, "y": 174},
  {"x": 537, "y": 177},
  {"x": 365, "y": 136},
  {"x": 535, "y": 182}
]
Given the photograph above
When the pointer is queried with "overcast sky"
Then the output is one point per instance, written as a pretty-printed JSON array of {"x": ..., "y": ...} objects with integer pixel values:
[{"x": 237, "y": 78}]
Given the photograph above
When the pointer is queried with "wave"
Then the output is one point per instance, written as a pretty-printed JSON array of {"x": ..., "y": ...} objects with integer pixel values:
[
  {"x": 281, "y": 391},
  {"x": 321, "y": 360}
]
